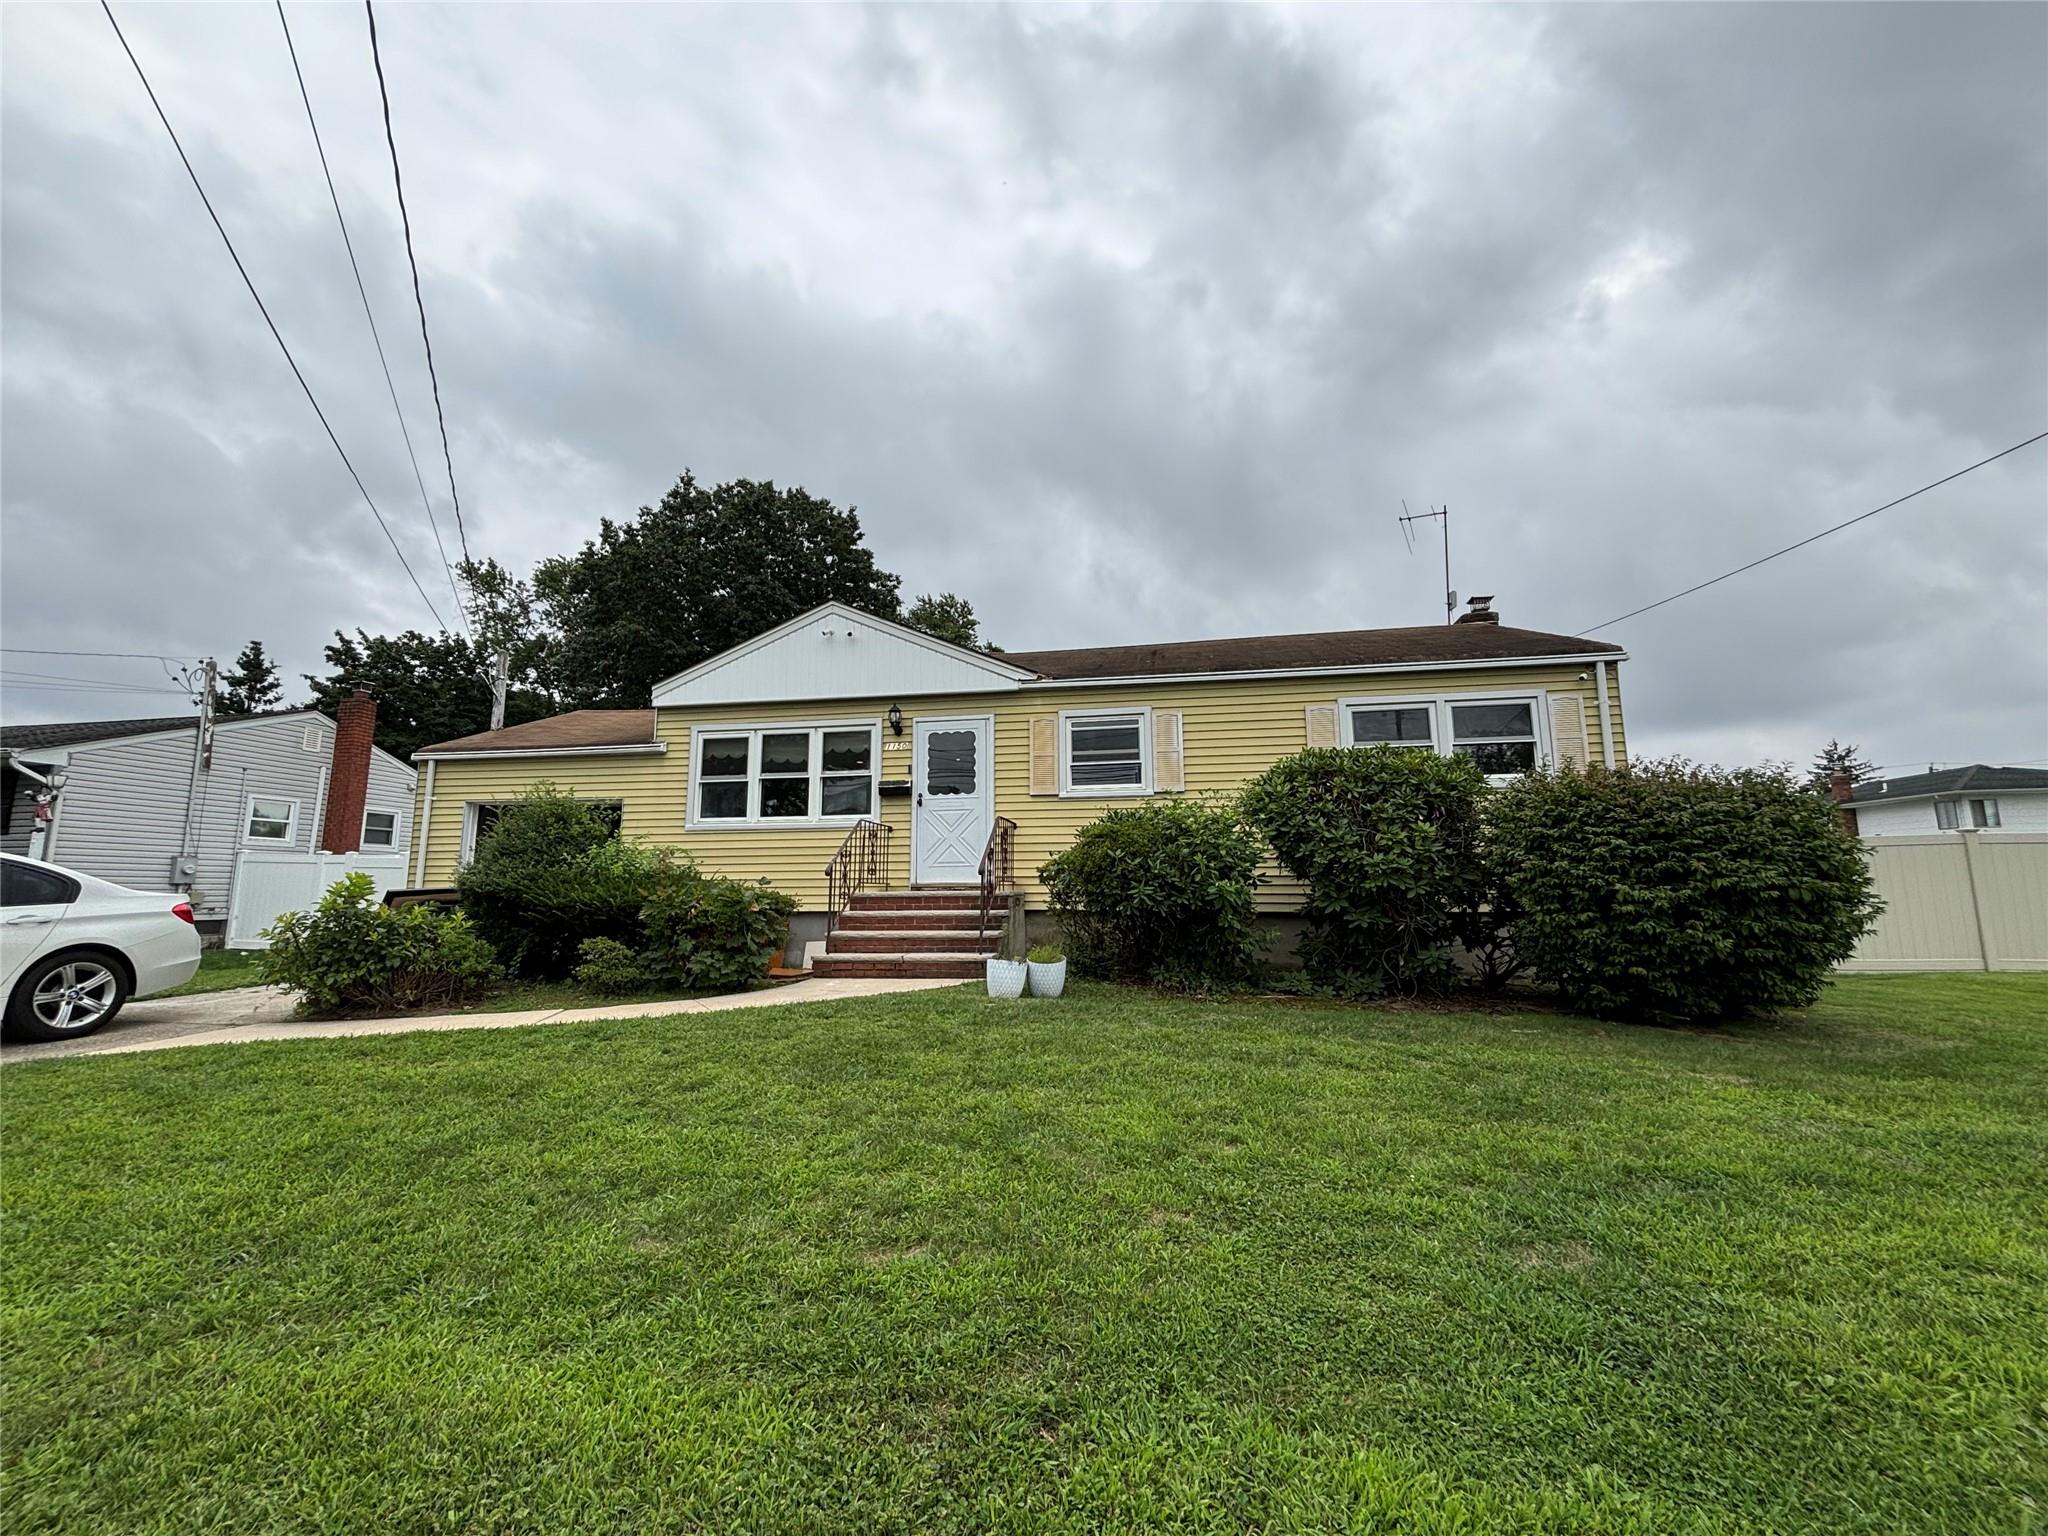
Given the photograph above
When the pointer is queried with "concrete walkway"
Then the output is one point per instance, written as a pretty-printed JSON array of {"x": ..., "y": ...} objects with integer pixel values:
[{"x": 264, "y": 1013}]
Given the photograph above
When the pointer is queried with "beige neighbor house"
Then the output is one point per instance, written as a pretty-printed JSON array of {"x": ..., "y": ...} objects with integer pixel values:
[{"x": 882, "y": 777}]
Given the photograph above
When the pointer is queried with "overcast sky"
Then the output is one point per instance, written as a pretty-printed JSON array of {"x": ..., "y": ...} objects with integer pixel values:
[{"x": 1126, "y": 324}]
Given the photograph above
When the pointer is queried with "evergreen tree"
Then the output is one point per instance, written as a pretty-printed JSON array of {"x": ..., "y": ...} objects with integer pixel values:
[{"x": 252, "y": 686}]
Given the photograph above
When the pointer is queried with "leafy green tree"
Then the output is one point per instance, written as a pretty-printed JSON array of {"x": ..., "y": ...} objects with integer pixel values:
[
  {"x": 705, "y": 569},
  {"x": 949, "y": 617},
  {"x": 252, "y": 686},
  {"x": 428, "y": 688},
  {"x": 1836, "y": 758}
]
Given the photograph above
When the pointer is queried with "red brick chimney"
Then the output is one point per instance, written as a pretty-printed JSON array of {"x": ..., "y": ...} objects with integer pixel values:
[
  {"x": 1838, "y": 791},
  {"x": 348, "y": 777}
]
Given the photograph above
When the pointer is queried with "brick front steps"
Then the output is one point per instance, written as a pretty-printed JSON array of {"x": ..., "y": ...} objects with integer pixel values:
[{"x": 915, "y": 933}]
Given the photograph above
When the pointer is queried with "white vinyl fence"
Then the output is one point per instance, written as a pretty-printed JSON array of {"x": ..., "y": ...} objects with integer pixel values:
[
  {"x": 1958, "y": 901},
  {"x": 268, "y": 883}
]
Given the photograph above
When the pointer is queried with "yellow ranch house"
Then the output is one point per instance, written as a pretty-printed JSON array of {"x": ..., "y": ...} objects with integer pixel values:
[{"x": 905, "y": 791}]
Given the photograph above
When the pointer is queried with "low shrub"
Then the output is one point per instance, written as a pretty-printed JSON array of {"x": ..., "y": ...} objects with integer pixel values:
[
  {"x": 704, "y": 933},
  {"x": 1045, "y": 954},
  {"x": 351, "y": 953},
  {"x": 1160, "y": 892},
  {"x": 611, "y": 969},
  {"x": 1387, "y": 843},
  {"x": 551, "y": 874},
  {"x": 1669, "y": 890}
]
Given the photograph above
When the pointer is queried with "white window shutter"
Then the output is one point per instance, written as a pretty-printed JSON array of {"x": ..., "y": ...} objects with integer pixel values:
[
  {"x": 1322, "y": 725},
  {"x": 1568, "y": 729},
  {"x": 1168, "y": 773},
  {"x": 1045, "y": 756}
]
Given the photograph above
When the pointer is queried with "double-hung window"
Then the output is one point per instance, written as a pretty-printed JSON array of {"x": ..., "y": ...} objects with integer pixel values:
[
  {"x": 1501, "y": 733},
  {"x": 270, "y": 821},
  {"x": 785, "y": 775},
  {"x": 1945, "y": 817},
  {"x": 380, "y": 829},
  {"x": 1106, "y": 752}
]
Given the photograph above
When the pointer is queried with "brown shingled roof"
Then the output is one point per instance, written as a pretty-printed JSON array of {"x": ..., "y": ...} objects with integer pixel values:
[
  {"x": 561, "y": 733},
  {"x": 1333, "y": 648}
]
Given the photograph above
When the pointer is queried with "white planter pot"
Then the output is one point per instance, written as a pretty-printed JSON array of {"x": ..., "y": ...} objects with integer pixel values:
[
  {"x": 1006, "y": 978},
  {"x": 1048, "y": 977}
]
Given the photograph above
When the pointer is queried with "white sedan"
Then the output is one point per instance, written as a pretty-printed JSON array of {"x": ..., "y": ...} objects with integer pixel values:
[{"x": 74, "y": 949}]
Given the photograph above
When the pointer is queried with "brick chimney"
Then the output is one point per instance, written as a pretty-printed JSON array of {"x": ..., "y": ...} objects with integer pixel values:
[
  {"x": 1481, "y": 611},
  {"x": 1839, "y": 788},
  {"x": 348, "y": 777}
]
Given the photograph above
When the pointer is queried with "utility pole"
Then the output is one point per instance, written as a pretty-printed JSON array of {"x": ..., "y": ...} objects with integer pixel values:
[
  {"x": 498, "y": 685},
  {"x": 202, "y": 760},
  {"x": 1442, "y": 516}
]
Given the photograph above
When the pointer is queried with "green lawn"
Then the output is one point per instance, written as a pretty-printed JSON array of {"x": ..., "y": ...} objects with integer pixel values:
[
  {"x": 1113, "y": 1263},
  {"x": 219, "y": 971}
]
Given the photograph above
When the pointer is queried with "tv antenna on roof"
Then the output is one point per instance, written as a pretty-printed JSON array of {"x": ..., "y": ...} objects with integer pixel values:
[{"x": 1442, "y": 516}]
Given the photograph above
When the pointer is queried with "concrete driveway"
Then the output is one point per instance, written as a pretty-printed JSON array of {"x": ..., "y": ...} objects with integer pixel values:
[
  {"x": 161, "y": 1020},
  {"x": 249, "y": 1014}
]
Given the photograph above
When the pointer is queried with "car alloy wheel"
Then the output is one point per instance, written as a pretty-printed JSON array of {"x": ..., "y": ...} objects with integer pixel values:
[{"x": 75, "y": 996}]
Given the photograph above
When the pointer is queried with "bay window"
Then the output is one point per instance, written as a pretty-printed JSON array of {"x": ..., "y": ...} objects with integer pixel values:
[{"x": 783, "y": 775}]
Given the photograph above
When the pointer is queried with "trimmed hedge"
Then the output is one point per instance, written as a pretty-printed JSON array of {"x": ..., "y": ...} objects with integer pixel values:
[
  {"x": 1675, "y": 891},
  {"x": 1387, "y": 843},
  {"x": 1159, "y": 892}
]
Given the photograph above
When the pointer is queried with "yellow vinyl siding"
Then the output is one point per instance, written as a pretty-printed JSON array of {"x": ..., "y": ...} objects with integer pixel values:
[
  {"x": 1230, "y": 730},
  {"x": 647, "y": 786}
]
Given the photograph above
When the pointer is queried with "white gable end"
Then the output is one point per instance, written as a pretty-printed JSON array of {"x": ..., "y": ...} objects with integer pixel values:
[{"x": 835, "y": 652}]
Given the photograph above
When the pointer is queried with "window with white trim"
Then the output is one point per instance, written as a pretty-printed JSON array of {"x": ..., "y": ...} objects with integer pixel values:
[
  {"x": 1503, "y": 733},
  {"x": 784, "y": 775},
  {"x": 1984, "y": 813},
  {"x": 270, "y": 820},
  {"x": 380, "y": 829},
  {"x": 1499, "y": 735},
  {"x": 479, "y": 817},
  {"x": 1946, "y": 818},
  {"x": 1106, "y": 752}
]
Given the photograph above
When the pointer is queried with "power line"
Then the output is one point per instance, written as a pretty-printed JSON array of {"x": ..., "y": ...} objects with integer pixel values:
[
  {"x": 405, "y": 221},
  {"x": 364, "y": 294},
  {"x": 23, "y": 650},
  {"x": 10, "y": 683},
  {"x": 1810, "y": 538},
  {"x": 66, "y": 677},
  {"x": 260, "y": 305}
]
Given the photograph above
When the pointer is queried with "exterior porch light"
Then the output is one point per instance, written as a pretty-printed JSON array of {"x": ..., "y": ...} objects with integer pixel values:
[{"x": 896, "y": 719}]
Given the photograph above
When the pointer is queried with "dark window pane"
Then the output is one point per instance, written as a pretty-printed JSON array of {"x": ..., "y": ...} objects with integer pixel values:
[
  {"x": 849, "y": 796},
  {"x": 1119, "y": 740},
  {"x": 724, "y": 800},
  {"x": 1481, "y": 720},
  {"x": 725, "y": 757},
  {"x": 23, "y": 885},
  {"x": 785, "y": 797},
  {"x": 1407, "y": 724},
  {"x": 1502, "y": 756},
  {"x": 486, "y": 819},
  {"x": 1945, "y": 815},
  {"x": 611, "y": 812},
  {"x": 786, "y": 753},
  {"x": 848, "y": 751},
  {"x": 1094, "y": 774},
  {"x": 949, "y": 766}
]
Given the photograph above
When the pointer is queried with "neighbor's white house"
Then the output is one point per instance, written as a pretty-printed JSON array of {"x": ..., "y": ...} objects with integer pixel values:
[
  {"x": 1979, "y": 797},
  {"x": 144, "y": 803}
]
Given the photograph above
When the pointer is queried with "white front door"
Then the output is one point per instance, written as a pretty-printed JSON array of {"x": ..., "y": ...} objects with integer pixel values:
[{"x": 954, "y": 805}]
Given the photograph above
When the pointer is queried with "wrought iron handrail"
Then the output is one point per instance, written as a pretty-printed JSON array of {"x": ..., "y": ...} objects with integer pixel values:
[
  {"x": 995, "y": 868},
  {"x": 862, "y": 860}
]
